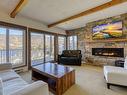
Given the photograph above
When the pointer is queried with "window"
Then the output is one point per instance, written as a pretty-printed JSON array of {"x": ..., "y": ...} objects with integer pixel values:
[
  {"x": 49, "y": 48},
  {"x": 42, "y": 47},
  {"x": 2, "y": 45},
  {"x": 37, "y": 48},
  {"x": 12, "y": 47},
  {"x": 72, "y": 42},
  {"x": 61, "y": 44}
]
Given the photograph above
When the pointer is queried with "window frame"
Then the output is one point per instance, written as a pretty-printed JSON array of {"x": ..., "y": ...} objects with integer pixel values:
[
  {"x": 65, "y": 42},
  {"x": 68, "y": 42},
  {"x": 50, "y": 46},
  {"x": 30, "y": 45},
  {"x": 32, "y": 30},
  {"x": 16, "y": 27}
]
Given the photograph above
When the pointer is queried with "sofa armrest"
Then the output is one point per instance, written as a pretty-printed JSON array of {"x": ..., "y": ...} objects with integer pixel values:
[
  {"x": 36, "y": 88},
  {"x": 1, "y": 87},
  {"x": 79, "y": 56},
  {"x": 5, "y": 66},
  {"x": 62, "y": 55},
  {"x": 59, "y": 57}
]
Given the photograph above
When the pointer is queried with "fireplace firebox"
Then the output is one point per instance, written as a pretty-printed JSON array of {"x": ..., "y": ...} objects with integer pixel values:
[{"x": 109, "y": 52}]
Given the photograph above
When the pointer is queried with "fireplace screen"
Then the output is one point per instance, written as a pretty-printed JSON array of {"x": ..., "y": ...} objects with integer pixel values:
[{"x": 109, "y": 52}]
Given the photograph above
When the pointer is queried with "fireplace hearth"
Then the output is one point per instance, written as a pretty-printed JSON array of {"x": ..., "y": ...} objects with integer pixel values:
[{"x": 109, "y": 52}]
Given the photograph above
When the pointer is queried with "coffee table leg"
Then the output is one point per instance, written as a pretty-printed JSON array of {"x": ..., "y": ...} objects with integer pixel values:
[{"x": 59, "y": 87}]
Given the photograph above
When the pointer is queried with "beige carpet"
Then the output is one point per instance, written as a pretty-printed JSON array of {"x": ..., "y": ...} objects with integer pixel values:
[{"x": 89, "y": 81}]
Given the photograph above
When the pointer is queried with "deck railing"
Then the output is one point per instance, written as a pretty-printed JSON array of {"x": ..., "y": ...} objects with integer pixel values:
[{"x": 14, "y": 56}]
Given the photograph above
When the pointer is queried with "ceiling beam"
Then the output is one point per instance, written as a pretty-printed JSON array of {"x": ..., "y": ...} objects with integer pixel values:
[
  {"x": 18, "y": 8},
  {"x": 90, "y": 11}
]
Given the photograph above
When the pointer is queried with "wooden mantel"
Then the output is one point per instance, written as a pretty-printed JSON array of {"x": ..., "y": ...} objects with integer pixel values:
[{"x": 106, "y": 40}]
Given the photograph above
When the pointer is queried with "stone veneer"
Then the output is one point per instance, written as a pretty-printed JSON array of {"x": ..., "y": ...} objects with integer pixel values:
[{"x": 85, "y": 34}]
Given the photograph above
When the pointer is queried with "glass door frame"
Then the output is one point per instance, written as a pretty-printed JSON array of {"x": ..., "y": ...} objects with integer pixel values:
[
  {"x": 24, "y": 40},
  {"x": 54, "y": 36},
  {"x": 31, "y": 30},
  {"x": 65, "y": 41},
  {"x": 36, "y": 32},
  {"x": 68, "y": 41},
  {"x": 57, "y": 45}
]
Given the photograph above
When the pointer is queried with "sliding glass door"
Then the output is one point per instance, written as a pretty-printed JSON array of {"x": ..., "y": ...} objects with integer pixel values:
[
  {"x": 72, "y": 42},
  {"x": 37, "y": 48},
  {"x": 12, "y": 47},
  {"x": 16, "y": 46},
  {"x": 49, "y": 48},
  {"x": 61, "y": 44},
  {"x": 2, "y": 45},
  {"x": 42, "y": 48}
]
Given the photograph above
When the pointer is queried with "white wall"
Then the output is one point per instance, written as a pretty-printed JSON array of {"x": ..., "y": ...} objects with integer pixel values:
[{"x": 29, "y": 23}]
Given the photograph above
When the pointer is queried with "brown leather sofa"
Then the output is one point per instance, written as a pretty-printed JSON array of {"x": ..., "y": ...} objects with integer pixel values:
[{"x": 70, "y": 57}]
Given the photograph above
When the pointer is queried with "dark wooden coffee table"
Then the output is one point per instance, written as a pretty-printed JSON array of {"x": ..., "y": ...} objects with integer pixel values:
[{"x": 59, "y": 77}]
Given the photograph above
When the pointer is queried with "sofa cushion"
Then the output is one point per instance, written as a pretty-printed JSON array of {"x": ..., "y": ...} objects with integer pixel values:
[
  {"x": 13, "y": 85},
  {"x": 115, "y": 75},
  {"x": 73, "y": 58},
  {"x": 125, "y": 63},
  {"x": 75, "y": 53},
  {"x": 1, "y": 87},
  {"x": 11, "y": 81},
  {"x": 71, "y": 53},
  {"x": 6, "y": 75},
  {"x": 66, "y": 53},
  {"x": 36, "y": 88}
]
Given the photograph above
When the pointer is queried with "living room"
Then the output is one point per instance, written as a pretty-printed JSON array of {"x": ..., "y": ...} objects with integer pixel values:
[{"x": 63, "y": 47}]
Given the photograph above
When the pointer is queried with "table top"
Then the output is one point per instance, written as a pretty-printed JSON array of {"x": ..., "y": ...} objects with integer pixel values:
[{"x": 53, "y": 69}]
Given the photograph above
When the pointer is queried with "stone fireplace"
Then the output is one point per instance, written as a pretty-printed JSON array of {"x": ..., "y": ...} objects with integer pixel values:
[{"x": 86, "y": 43}]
